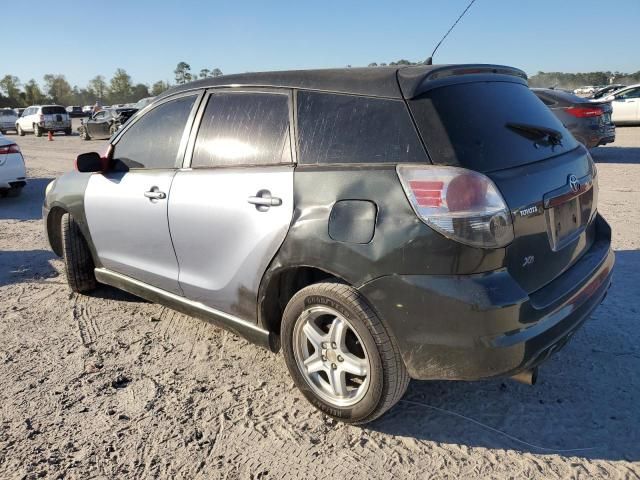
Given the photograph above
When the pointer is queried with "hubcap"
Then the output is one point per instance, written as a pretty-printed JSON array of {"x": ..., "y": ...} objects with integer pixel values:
[{"x": 331, "y": 356}]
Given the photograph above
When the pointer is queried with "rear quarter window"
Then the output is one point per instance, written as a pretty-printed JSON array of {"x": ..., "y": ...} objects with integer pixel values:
[
  {"x": 466, "y": 125},
  {"x": 334, "y": 128}
]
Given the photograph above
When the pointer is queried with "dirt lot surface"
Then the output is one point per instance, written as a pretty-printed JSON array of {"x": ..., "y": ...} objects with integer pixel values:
[{"x": 109, "y": 386}]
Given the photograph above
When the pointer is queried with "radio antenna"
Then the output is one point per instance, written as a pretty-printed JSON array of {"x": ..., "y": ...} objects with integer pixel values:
[{"x": 429, "y": 61}]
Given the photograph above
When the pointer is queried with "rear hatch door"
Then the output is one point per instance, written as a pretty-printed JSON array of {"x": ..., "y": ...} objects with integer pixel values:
[
  {"x": 55, "y": 116},
  {"x": 493, "y": 124}
]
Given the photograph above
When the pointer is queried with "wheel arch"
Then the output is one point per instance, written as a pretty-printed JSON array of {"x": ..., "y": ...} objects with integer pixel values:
[{"x": 277, "y": 288}]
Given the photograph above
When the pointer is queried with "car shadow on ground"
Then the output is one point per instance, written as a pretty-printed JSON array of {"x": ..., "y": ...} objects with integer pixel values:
[
  {"x": 17, "y": 266},
  {"x": 107, "y": 292},
  {"x": 28, "y": 205},
  {"x": 585, "y": 403},
  {"x": 616, "y": 154}
]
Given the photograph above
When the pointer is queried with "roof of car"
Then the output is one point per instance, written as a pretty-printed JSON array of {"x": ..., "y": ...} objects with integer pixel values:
[{"x": 389, "y": 82}]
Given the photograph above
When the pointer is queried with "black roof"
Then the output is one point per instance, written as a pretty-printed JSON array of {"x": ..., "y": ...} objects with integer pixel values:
[{"x": 389, "y": 82}]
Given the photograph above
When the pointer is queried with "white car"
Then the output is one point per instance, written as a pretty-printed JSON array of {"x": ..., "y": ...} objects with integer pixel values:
[
  {"x": 626, "y": 105},
  {"x": 8, "y": 118},
  {"x": 13, "y": 173},
  {"x": 41, "y": 119},
  {"x": 87, "y": 109}
]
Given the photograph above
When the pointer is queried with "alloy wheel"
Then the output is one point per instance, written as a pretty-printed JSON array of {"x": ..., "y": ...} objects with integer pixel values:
[{"x": 331, "y": 356}]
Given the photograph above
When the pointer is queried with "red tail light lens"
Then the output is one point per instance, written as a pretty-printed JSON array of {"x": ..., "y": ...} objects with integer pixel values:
[
  {"x": 584, "y": 112},
  {"x": 12, "y": 148},
  {"x": 461, "y": 204}
]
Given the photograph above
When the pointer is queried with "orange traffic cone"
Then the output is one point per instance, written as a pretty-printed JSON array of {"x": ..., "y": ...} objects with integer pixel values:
[{"x": 50, "y": 136}]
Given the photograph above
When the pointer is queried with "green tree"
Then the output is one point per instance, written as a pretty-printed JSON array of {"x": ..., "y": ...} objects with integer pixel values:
[
  {"x": 183, "y": 73},
  {"x": 10, "y": 85},
  {"x": 139, "y": 90},
  {"x": 216, "y": 72},
  {"x": 159, "y": 87},
  {"x": 120, "y": 89},
  {"x": 32, "y": 93},
  {"x": 98, "y": 87},
  {"x": 205, "y": 72},
  {"x": 58, "y": 89}
]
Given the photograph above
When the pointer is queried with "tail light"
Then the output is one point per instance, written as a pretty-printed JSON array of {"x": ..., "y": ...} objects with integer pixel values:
[
  {"x": 584, "y": 112},
  {"x": 461, "y": 204},
  {"x": 41, "y": 118},
  {"x": 12, "y": 148}
]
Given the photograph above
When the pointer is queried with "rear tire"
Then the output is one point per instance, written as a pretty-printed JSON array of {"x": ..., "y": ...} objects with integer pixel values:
[
  {"x": 37, "y": 131},
  {"x": 67, "y": 132},
  {"x": 77, "y": 258},
  {"x": 3, "y": 132},
  {"x": 362, "y": 345}
]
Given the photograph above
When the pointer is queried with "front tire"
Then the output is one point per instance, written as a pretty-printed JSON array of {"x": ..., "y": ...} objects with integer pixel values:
[
  {"x": 340, "y": 354},
  {"x": 78, "y": 263},
  {"x": 20, "y": 131}
]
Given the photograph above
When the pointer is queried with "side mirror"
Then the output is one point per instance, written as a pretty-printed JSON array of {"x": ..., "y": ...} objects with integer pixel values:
[{"x": 91, "y": 162}]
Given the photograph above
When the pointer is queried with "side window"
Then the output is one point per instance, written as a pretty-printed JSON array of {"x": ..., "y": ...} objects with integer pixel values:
[
  {"x": 153, "y": 141},
  {"x": 243, "y": 128},
  {"x": 335, "y": 128},
  {"x": 633, "y": 93}
]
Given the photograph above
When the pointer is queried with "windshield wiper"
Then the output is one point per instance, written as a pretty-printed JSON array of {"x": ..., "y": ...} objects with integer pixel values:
[{"x": 537, "y": 132}]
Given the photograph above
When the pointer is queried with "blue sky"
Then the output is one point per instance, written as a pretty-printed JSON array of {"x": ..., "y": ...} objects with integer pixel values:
[{"x": 149, "y": 37}]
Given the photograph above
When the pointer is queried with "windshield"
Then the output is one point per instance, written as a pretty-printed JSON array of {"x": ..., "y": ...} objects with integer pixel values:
[
  {"x": 472, "y": 125},
  {"x": 7, "y": 113}
]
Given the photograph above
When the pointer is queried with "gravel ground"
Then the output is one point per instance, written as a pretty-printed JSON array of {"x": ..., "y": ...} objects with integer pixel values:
[{"x": 109, "y": 386}]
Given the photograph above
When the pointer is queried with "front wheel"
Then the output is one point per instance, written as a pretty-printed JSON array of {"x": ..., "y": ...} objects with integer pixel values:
[
  {"x": 20, "y": 131},
  {"x": 78, "y": 262},
  {"x": 340, "y": 355}
]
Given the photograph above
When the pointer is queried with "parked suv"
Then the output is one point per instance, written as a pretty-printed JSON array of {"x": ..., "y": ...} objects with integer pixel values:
[
  {"x": 42, "y": 119},
  {"x": 8, "y": 120},
  {"x": 375, "y": 225}
]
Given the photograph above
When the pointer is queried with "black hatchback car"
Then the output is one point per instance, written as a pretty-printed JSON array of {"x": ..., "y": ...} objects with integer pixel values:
[{"x": 375, "y": 225}]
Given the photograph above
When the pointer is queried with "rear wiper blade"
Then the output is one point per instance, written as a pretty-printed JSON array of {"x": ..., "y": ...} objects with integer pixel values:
[{"x": 537, "y": 132}]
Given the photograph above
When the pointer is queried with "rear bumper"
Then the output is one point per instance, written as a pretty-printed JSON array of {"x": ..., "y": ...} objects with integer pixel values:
[
  {"x": 601, "y": 135},
  {"x": 482, "y": 326},
  {"x": 13, "y": 172}
]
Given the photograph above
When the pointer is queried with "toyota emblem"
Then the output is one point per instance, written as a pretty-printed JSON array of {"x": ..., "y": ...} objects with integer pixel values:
[{"x": 574, "y": 183}]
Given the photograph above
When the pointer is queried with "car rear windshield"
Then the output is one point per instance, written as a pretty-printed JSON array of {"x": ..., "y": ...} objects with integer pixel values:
[
  {"x": 53, "y": 110},
  {"x": 7, "y": 113},
  {"x": 487, "y": 126}
]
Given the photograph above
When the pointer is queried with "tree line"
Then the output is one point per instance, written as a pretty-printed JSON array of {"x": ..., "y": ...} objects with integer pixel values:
[
  {"x": 119, "y": 89},
  {"x": 572, "y": 81}
]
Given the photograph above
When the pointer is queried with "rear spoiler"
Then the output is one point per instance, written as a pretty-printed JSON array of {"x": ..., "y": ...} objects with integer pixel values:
[{"x": 416, "y": 81}]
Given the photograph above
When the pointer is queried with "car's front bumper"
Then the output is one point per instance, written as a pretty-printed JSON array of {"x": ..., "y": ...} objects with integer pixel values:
[{"x": 485, "y": 325}]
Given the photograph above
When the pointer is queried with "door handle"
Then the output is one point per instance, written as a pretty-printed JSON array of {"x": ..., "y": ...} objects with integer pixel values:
[
  {"x": 263, "y": 201},
  {"x": 155, "y": 194}
]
